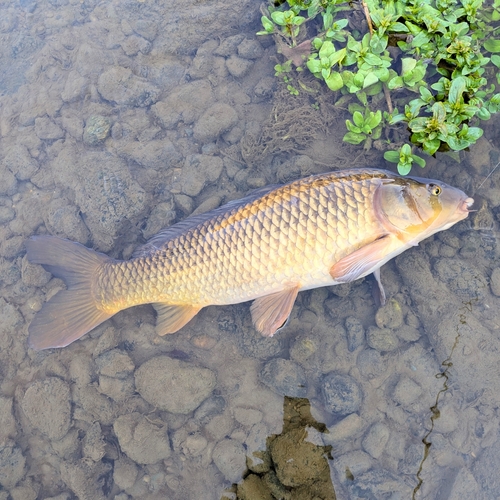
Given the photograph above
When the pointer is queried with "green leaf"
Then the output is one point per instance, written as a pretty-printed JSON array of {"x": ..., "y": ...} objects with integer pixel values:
[
  {"x": 404, "y": 168},
  {"x": 399, "y": 28},
  {"x": 418, "y": 160},
  {"x": 314, "y": 65},
  {"x": 431, "y": 146},
  {"x": 298, "y": 20},
  {"x": 337, "y": 56},
  {"x": 392, "y": 156},
  {"x": 352, "y": 128},
  {"x": 407, "y": 65},
  {"x": 395, "y": 83},
  {"x": 426, "y": 95},
  {"x": 405, "y": 150},
  {"x": 358, "y": 119},
  {"x": 370, "y": 79},
  {"x": 278, "y": 17},
  {"x": 327, "y": 49},
  {"x": 374, "y": 119},
  {"x": 495, "y": 60},
  {"x": 492, "y": 45},
  {"x": 267, "y": 24},
  {"x": 353, "y": 138},
  {"x": 372, "y": 60},
  {"x": 317, "y": 43},
  {"x": 474, "y": 133},
  {"x": 327, "y": 20},
  {"x": 457, "y": 88},
  {"x": 334, "y": 81},
  {"x": 439, "y": 111}
]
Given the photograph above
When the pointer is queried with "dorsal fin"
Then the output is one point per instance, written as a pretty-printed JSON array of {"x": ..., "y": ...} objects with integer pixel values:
[{"x": 171, "y": 232}]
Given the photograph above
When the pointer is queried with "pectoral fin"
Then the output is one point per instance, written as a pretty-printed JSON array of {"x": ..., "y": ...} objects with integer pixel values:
[
  {"x": 362, "y": 261},
  {"x": 171, "y": 318},
  {"x": 269, "y": 313}
]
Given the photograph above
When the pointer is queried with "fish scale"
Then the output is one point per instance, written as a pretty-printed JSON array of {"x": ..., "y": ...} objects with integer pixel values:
[
  {"x": 323, "y": 230},
  {"x": 209, "y": 264}
]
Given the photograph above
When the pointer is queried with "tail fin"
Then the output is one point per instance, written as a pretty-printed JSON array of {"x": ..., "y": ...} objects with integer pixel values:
[{"x": 72, "y": 312}]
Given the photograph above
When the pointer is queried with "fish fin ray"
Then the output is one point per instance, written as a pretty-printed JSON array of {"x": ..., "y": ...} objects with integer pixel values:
[
  {"x": 270, "y": 313},
  {"x": 71, "y": 313},
  {"x": 165, "y": 235},
  {"x": 358, "y": 263},
  {"x": 171, "y": 318},
  {"x": 65, "y": 318},
  {"x": 380, "y": 292}
]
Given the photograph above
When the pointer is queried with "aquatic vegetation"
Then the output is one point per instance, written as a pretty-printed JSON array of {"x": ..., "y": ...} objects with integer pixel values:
[{"x": 417, "y": 76}]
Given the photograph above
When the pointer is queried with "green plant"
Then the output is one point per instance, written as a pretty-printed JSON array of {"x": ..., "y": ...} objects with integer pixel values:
[{"x": 438, "y": 60}]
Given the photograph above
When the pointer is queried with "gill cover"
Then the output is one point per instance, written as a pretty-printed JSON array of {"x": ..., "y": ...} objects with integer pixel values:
[{"x": 408, "y": 205}]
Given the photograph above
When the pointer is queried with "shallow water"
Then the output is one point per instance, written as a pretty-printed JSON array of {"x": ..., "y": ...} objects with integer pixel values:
[{"x": 106, "y": 138}]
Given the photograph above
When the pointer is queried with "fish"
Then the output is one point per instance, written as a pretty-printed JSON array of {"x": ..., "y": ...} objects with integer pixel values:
[{"x": 321, "y": 230}]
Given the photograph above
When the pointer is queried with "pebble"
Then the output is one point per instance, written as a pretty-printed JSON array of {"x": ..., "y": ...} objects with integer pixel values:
[
  {"x": 406, "y": 391},
  {"x": 47, "y": 405},
  {"x": 250, "y": 49},
  {"x": 142, "y": 441},
  {"x": 390, "y": 315},
  {"x": 19, "y": 161},
  {"x": 341, "y": 393},
  {"x": 198, "y": 171},
  {"x": 230, "y": 458},
  {"x": 115, "y": 363},
  {"x": 216, "y": 120},
  {"x": 347, "y": 428},
  {"x": 284, "y": 377},
  {"x": 247, "y": 416},
  {"x": 495, "y": 282},
  {"x": 370, "y": 363},
  {"x": 381, "y": 339},
  {"x": 96, "y": 130},
  {"x": 465, "y": 280},
  {"x": 46, "y": 129},
  {"x": 124, "y": 472},
  {"x": 237, "y": 66},
  {"x": 355, "y": 333},
  {"x": 353, "y": 463},
  {"x": 377, "y": 482},
  {"x": 7, "y": 421},
  {"x": 174, "y": 385},
  {"x": 375, "y": 439},
  {"x": 12, "y": 462},
  {"x": 121, "y": 86},
  {"x": 229, "y": 45}
]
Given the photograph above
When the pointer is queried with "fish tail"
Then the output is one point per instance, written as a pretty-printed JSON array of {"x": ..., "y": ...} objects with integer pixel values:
[{"x": 72, "y": 312}]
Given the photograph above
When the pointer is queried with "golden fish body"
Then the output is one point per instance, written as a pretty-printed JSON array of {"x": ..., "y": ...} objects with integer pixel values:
[{"x": 322, "y": 230}]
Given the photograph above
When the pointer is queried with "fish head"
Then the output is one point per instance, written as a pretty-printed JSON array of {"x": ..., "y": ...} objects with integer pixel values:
[{"x": 415, "y": 208}]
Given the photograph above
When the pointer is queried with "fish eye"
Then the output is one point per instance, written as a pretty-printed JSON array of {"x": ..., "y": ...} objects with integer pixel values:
[{"x": 435, "y": 189}]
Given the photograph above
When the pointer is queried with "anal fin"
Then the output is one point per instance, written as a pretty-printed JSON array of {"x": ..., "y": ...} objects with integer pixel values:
[
  {"x": 171, "y": 318},
  {"x": 270, "y": 312}
]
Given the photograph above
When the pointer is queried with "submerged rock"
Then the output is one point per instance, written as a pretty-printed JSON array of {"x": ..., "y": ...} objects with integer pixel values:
[
  {"x": 173, "y": 385},
  {"x": 284, "y": 377},
  {"x": 47, "y": 405},
  {"x": 341, "y": 393},
  {"x": 142, "y": 441}
]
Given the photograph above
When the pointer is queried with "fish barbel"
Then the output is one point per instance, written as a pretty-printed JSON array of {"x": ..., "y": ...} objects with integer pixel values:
[{"x": 322, "y": 230}]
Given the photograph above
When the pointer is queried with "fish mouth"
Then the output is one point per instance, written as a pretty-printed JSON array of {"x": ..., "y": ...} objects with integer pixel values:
[{"x": 466, "y": 204}]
